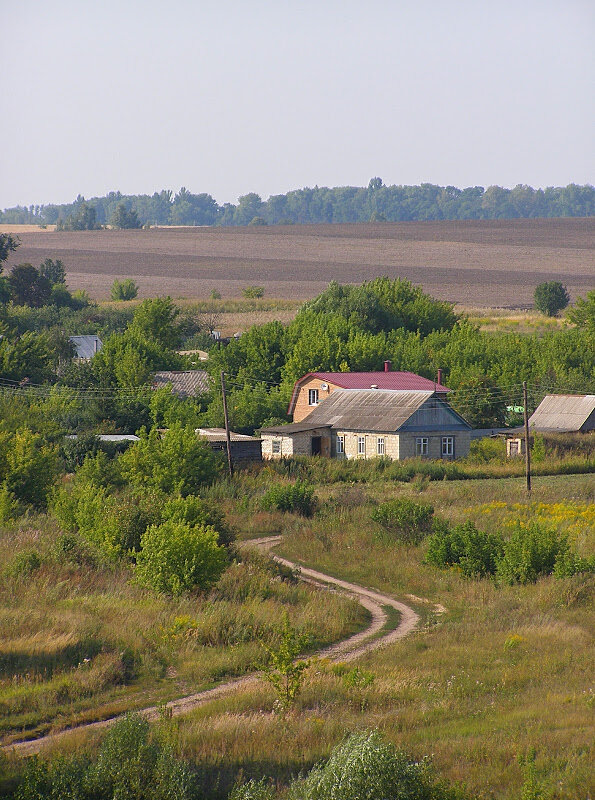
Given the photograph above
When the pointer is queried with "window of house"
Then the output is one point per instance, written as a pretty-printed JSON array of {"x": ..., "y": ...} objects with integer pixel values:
[
  {"x": 448, "y": 446},
  {"x": 380, "y": 446},
  {"x": 421, "y": 446},
  {"x": 340, "y": 444},
  {"x": 312, "y": 397},
  {"x": 361, "y": 445},
  {"x": 276, "y": 447}
]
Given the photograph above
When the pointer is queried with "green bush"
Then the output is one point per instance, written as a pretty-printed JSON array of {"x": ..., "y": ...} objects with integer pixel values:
[
  {"x": 124, "y": 290},
  {"x": 253, "y": 790},
  {"x": 176, "y": 558},
  {"x": 530, "y": 551},
  {"x": 196, "y": 512},
  {"x": 132, "y": 764},
  {"x": 297, "y": 497},
  {"x": 569, "y": 564},
  {"x": 253, "y": 291},
  {"x": 177, "y": 463},
  {"x": 367, "y": 767},
  {"x": 474, "y": 552},
  {"x": 24, "y": 564},
  {"x": 405, "y": 519}
]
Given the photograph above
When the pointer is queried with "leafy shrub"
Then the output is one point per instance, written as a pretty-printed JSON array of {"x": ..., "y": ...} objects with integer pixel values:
[
  {"x": 530, "y": 552},
  {"x": 28, "y": 466},
  {"x": 569, "y": 563},
  {"x": 366, "y": 767},
  {"x": 176, "y": 557},
  {"x": 407, "y": 520},
  {"x": 253, "y": 291},
  {"x": 475, "y": 552},
  {"x": 253, "y": 790},
  {"x": 177, "y": 463},
  {"x": 9, "y": 506},
  {"x": 124, "y": 290},
  {"x": 196, "y": 512},
  {"x": 24, "y": 564},
  {"x": 297, "y": 497}
]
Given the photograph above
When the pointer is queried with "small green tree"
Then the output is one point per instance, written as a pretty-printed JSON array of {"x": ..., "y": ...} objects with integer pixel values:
[
  {"x": 54, "y": 271},
  {"x": 282, "y": 670},
  {"x": 28, "y": 287},
  {"x": 123, "y": 218},
  {"x": 177, "y": 463},
  {"x": 253, "y": 292},
  {"x": 551, "y": 297},
  {"x": 582, "y": 313},
  {"x": 176, "y": 557},
  {"x": 124, "y": 290}
]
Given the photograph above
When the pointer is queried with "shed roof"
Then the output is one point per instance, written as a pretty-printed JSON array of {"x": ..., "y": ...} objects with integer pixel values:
[
  {"x": 366, "y": 410},
  {"x": 86, "y": 346},
  {"x": 563, "y": 412},
  {"x": 186, "y": 383},
  {"x": 219, "y": 435},
  {"x": 395, "y": 381}
]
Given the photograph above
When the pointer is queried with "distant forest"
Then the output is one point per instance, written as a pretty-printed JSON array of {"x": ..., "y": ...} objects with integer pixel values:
[{"x": 377, "y": 202}]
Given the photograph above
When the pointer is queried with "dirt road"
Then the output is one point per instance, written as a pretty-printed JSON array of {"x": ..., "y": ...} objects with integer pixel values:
[{"x": 347, "y": 650}]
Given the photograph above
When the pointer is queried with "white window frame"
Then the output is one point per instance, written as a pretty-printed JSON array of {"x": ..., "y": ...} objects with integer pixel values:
[
  {"x": 422, "y": 445},
  {"x": 276, "y": 447},
  {"x": 361, "y": 445},
  {"x": 340, "y": 445},
  {"x": 313, "y": 397},
  {"x": 447, "y": 446},
  {"x": 380, "y": 446}
]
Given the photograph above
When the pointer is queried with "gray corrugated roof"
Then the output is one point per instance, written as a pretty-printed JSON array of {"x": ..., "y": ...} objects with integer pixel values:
[
  {"x": 86, "y": 346},
  {"x": 562, "y": 412},
  {"x": 188, "y": 383},
  {"x": 364, "y": 410}
]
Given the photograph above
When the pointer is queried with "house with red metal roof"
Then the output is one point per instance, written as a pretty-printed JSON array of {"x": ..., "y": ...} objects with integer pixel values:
[{"x": 315, "y": 387}]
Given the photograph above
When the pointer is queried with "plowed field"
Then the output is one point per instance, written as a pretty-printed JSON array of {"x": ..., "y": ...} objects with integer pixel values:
[{"x": 480, "y": 263}]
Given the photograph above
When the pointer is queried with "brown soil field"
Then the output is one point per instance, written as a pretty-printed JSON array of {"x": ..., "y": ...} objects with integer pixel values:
[{"x": 494, "y": 263}]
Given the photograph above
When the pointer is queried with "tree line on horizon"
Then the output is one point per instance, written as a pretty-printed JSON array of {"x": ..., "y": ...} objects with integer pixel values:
[{"x": 375, "y": 203}]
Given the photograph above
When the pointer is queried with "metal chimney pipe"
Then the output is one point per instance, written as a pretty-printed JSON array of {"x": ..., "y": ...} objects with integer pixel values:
[
  {"x": 387, "y": 366},
  {"x": 439, "y": 377}
]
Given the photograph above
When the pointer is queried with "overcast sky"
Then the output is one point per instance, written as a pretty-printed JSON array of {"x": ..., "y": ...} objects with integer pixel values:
[{"x": 238, "y": 96}]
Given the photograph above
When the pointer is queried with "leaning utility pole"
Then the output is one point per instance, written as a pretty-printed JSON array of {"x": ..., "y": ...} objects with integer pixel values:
[
  {"x": 227, "y": 436},
  {"x": 527, "y": 448}
]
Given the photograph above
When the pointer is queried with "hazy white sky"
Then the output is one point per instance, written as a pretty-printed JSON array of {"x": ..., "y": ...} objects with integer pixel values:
[{"x": 232, "y": 96}]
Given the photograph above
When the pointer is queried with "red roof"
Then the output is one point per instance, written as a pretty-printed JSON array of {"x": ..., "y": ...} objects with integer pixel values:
[{"x": 397, "y": 381}]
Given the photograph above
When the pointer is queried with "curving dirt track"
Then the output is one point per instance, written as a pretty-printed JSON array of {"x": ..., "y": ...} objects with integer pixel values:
[{"x": 347, "y": 650}]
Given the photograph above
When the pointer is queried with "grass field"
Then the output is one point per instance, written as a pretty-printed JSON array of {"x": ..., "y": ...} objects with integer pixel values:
[
  {"x": 485, "y": 264},
  {"x": 505, "y": 669}
]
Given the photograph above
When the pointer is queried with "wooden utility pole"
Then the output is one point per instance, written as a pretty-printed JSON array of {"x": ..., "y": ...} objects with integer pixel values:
[
  {"x": 527, "y": 447},
  {"x": 227, "y": 436}
]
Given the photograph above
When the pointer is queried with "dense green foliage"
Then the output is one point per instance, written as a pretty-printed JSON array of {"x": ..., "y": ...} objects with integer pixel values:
[
  {"x": 582, "y": 312},
  {"x": 551, "y": 297},
  {"x": 405, "y": 519},
  {"x": 376, "y": 202},
  {"x": 474, "y": 552},
  {"x": 367, "y": 767},
  {"x": 132, "y": 764},
  {"x": 522, "y": 556},
  {"x": 124, "y": 290},
  {"x": 294, "y": 497},
  {"x": 176, "y": 557}
]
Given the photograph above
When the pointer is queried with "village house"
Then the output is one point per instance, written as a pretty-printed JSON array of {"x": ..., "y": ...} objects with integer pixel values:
[
  {"x": 316, "y": 387},
  {"x": 557, "y": 413},
  {"x": 370, "y": 423},
  {"x": 244, "y": 448}
]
